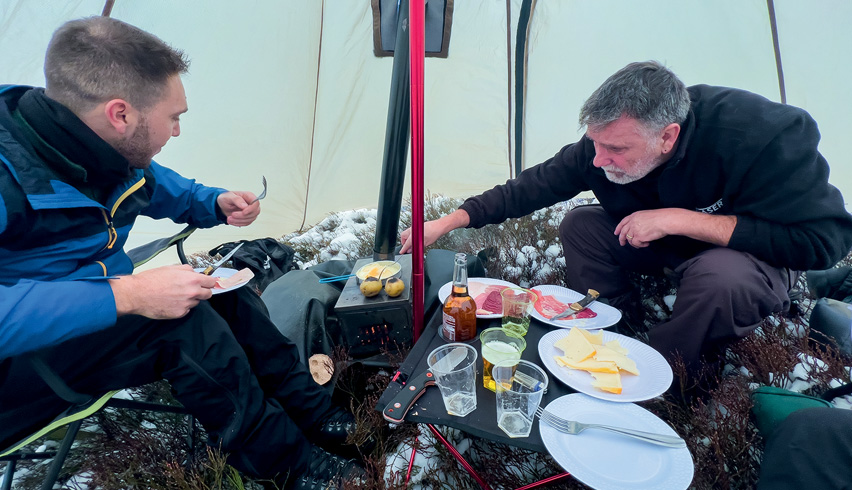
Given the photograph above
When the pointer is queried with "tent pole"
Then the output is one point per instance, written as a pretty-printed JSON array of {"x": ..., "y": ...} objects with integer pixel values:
[
  {"x": 773, "y": 25},
  {"x": 417, "y": 50},
  {"x": 107, "y": 8}
]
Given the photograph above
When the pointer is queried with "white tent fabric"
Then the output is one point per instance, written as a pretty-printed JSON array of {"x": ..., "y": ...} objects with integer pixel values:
[{"x": 291, "y": 90}]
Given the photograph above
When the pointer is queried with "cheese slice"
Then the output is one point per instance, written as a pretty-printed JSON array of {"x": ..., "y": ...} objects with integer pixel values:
[
  {"x": 593, "y": 338},
  {"x": 616, "y": 346},
  {"x": 593, "y": 365},
  {"x": 575, "y": 346},
  {"x": 610, "y": 382},
  {"x": 604, "y": 353}
]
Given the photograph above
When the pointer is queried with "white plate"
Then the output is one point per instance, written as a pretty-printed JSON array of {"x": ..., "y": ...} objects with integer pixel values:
[
  {"x": 655, "y": 374},
  {"x": 607, "y": 461},
  {"x": 446, "y": 288},
  {"x": 224, "y": 272},
  {"x": 607, "y": 316}
]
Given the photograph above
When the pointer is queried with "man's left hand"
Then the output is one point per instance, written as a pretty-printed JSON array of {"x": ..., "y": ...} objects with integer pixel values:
[
  {"x": 235, "y": 205},
  {"x": 643, "y": 227}
]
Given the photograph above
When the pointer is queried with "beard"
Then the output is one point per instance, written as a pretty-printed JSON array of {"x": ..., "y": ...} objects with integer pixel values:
[
  {"x": 137, "y": 148},
  {"x": 642, "y": 168}
]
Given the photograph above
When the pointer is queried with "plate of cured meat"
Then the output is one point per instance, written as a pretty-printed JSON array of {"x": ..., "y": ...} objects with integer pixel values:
[
  {"x": 553, "y": 300},
  {"x": 229, "y": 279},
  {"x": 486, "y": 292}
]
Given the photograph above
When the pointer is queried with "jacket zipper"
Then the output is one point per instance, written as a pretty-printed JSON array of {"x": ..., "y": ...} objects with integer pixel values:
[{"x": 113, "y": 234}]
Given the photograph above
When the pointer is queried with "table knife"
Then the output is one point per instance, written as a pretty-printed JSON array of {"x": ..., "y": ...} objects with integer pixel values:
[
  {"x": 412, "y": 390},
  {"x": 210, "y": 268},
  {"x": 579, "y": 306}
]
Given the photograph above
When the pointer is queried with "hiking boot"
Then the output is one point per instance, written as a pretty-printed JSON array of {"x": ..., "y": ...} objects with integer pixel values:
[
  {"x": 328, "y": 471},
  {"x": 336, "y": 428},
  {"x": 333, "y": 433}
]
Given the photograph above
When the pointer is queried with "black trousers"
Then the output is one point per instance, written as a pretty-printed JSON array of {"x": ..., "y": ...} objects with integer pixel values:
[
  {"x": 812, "y": 448},
  {"x": 723, "y": 294},
  {"x": 226, "y": 362}
]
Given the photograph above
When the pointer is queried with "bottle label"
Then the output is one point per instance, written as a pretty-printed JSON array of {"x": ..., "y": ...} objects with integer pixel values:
[{"x": 448, "y": 329}]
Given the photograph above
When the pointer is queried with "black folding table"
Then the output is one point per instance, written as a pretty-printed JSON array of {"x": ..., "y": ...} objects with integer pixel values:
[{"x": 482, "y": 422}]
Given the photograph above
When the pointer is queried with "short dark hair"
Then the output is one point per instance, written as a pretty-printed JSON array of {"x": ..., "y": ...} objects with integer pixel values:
[
  {"x": 646, "y": 91},
  {"x": 96, "y": 59}
]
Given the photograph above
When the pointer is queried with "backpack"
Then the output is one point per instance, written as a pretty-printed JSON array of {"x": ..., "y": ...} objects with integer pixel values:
[{"x": 268, "y": 258}]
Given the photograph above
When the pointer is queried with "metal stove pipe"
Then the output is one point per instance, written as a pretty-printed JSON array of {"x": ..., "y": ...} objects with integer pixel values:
[{"x": 396, "y": 144}]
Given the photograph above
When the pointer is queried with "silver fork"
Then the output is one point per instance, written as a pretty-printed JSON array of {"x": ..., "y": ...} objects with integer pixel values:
[
  {"x": 573, "y": 427},
  {"x": 262, "y": 193}
]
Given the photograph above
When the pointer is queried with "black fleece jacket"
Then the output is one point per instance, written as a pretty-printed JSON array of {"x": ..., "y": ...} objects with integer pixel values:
[{"x": 739, "y": 154}]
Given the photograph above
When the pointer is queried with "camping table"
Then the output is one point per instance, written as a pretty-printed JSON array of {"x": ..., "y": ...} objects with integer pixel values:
[{"x": 482, "y": 422}]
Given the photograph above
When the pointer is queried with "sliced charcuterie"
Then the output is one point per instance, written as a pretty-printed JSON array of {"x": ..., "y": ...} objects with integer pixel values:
[
  {"x": 490, "y": 301},
  {"x": 548, "y": 306}
]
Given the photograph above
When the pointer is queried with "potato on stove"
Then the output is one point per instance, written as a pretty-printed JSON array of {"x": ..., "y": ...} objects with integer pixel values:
[{"x": 371, "y": 286}]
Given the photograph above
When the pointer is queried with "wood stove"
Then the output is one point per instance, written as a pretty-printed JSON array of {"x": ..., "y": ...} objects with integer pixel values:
[{"x": 380, "y": 323}]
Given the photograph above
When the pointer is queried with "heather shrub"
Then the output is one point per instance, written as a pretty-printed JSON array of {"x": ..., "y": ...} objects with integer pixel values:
[{"x": 713, "y": 413}]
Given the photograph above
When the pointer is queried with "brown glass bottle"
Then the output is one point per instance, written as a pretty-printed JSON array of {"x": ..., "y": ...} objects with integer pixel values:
[{"x": 459, "y": 308}]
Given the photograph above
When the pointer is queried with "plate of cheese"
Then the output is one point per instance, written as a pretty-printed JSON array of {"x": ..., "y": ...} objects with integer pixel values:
[
  {"x": 607, "y": 461},
  {"x": 605, "y": 364}
]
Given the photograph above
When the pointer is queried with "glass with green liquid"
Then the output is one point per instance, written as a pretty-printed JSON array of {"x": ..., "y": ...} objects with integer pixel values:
[{"x": 517, "y": 307}]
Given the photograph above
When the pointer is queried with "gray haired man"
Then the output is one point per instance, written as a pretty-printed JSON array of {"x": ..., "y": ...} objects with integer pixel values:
[{"x": 721, "y": 187}]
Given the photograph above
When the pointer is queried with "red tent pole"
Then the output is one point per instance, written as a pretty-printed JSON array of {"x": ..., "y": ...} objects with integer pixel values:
[{"x": 417, "y": 54}]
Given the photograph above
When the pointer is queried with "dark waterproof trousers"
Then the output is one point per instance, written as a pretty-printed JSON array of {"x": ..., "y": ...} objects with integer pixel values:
[
  {"x": 722, "y": 294},
  {"x": 812, "y": 448},
  {"x": 226, "y": 362}
]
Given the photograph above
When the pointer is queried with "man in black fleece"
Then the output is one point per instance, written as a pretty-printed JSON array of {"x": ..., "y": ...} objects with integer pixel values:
[{"x": 723, "y": 189}]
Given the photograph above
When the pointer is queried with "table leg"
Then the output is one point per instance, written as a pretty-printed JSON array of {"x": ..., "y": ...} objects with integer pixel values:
[
  {"x": 476, "y": 476},
  {"x": 459, "y": 457},
  {"x": 545, "y": 481}
]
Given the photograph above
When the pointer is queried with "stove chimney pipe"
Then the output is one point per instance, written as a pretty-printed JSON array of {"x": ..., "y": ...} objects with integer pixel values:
[{"x": 396, "y": 144}]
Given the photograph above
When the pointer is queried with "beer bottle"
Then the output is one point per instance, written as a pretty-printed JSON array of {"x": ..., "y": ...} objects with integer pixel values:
[{"x": 459, "y": 308}]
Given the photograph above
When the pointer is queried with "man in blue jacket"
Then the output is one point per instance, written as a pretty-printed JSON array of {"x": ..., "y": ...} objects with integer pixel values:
[
  {"x": 722, "y": 188},
  {"x": 76, "y": 170}
]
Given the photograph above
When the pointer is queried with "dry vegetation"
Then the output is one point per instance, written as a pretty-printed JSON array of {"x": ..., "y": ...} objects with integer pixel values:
[{"x": 131, "y": 450}]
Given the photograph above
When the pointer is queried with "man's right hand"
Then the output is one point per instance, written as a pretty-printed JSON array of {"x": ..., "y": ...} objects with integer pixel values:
[
  {"x": 162, "y": 293},
  {"x": 435, "y": 229}
]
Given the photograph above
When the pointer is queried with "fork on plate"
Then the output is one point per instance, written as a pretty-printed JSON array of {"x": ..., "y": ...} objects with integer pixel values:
[
  {"x": 262, "y": 193},
  {"x": 573, "y": 427}
]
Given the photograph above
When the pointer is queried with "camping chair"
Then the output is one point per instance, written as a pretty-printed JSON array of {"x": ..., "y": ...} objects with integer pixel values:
[{"x": 81, "y": 405}]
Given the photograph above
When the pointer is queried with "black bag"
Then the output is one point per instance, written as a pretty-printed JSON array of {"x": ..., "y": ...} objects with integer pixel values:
[{"x": 268, "y": 258}]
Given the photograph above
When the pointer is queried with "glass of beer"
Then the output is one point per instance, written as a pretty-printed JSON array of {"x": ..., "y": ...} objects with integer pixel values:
[
  {"x": 497, "y": 346},
  {"x": 517, "y": 308}
]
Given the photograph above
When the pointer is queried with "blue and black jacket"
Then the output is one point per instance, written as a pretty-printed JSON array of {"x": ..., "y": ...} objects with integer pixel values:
[{"x": 57, "y": 245}]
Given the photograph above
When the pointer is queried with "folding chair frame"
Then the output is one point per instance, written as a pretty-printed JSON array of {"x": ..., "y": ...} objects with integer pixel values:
[{"x": 83, "y": 406}]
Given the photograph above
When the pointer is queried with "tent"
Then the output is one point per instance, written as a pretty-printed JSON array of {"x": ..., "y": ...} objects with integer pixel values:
[{"x": 292, "y": 89}]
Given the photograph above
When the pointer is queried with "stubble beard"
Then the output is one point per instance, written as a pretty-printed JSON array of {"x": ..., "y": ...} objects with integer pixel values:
[{"x": 137, "y": 149}]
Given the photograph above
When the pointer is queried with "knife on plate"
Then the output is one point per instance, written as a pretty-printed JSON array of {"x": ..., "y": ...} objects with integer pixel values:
[
  {"x": 412, "y": 390},
  {"x": 579, "y": 306},
  {"x": 210, "y": 268}
]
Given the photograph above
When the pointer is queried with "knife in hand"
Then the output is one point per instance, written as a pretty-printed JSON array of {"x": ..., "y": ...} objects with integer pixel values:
[
  {"x": 412, "y": 390},
  {"x": 579, "y": 306},
  {"x": 210, "y": 268}
]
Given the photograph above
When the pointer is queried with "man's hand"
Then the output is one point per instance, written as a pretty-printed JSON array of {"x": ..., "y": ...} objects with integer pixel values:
[
  {"x": 435, "y": 229},
  {"x": 235, "y": 205},
  {"x": 162, "y": 293},
  {"x": 643, "y": 227}
]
